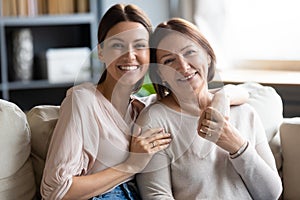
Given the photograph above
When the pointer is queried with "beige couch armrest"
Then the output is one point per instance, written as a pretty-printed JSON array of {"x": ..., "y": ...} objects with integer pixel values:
[
  {"x": 16, "y": 172},
  {"x": 290, "y": 143}
]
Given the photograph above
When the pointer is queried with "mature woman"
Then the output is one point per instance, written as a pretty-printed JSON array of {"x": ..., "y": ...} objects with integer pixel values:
[
  {"x": 212, "y": 155},
  {"x": 89, "y": 153}
]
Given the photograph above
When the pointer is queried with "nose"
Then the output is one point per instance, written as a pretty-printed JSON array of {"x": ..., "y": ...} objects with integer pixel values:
[
  {"x": 130, "y": 54},
  {"x": 183, "y": 65}
]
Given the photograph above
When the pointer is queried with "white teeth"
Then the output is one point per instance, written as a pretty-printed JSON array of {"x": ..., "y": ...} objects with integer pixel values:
[
  {"x": 128, "y": 68},
  {"x": 186, "y": 77}
]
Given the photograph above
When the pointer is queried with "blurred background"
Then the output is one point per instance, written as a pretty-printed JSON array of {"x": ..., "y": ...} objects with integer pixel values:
[{"x": 47, "y": 46}]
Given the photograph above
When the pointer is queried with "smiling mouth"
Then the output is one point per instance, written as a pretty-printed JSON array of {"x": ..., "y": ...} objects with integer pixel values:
[
  {"x": 187, "y": 78},
  {"x": 128, "y": 67}
]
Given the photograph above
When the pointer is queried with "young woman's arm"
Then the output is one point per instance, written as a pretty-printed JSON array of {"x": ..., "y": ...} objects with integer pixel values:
[{"x": 237, "y": 95}]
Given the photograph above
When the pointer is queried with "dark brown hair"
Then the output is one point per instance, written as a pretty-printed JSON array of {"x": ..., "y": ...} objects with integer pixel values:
[
  {"x": 122, "y": 13},
  {"x": 186, "y": 28}
]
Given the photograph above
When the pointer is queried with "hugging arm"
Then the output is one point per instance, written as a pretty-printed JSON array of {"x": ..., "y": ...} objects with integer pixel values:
[{"x": 236, "y": 95}]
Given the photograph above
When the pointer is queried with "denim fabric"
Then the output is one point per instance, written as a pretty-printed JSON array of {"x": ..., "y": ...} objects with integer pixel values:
[{"x": 125, "y": 191}]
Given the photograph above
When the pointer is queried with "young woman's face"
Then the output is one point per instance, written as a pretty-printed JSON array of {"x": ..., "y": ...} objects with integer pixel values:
[
  {"x": 184, "y": 64},
  {"x": 126, "y": 52}
]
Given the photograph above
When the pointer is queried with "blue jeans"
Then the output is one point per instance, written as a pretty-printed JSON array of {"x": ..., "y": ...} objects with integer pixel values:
[{"x": 125, "y": 191}]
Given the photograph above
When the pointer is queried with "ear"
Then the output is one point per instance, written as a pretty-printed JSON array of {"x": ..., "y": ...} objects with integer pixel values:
[
  {"x": 100, "y": 52},
  {"x": 161, "y": 75},
  {"x": 208, "y": 60}
]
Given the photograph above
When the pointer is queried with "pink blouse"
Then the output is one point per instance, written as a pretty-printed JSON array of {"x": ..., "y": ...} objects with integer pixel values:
[{"x": 90, "y": 136}]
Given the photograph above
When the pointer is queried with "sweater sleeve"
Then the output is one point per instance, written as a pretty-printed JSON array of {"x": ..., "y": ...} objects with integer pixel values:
[
  {"x": 155, "y": 181},
  {"x": 257, "y": 167},
  {"x": 67, "y": 156}
]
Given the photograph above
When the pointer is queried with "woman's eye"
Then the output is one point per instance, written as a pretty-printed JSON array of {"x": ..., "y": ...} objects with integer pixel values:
[
  {"x": 189, "y": 52},
  {"x": 140, "y": 46},
  {"x": 168, "y": 61},
  {"x": 117, "y": 45}
]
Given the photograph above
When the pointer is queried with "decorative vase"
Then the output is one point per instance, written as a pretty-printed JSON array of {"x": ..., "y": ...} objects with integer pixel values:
[{"x": 23, "y": 54}]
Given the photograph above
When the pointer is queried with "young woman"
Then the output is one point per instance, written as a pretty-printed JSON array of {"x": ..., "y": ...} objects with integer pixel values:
[
  {"x": 89, "y": 153},
  {"x": 213, "y": 155}
]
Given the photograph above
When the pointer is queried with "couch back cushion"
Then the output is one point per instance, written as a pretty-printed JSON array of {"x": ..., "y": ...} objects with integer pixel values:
[
  {"x": 42, "y": 120},
  {"x": 16, "y": 173},
  {"x": 268, "y": 104}
]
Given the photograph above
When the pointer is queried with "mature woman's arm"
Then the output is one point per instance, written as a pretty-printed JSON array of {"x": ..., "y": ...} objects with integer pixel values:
[
  {"x": 155, "y": 180},
  {"x": 256, "y": 165}
]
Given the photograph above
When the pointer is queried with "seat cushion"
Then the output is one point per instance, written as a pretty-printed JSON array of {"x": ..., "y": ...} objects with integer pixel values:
[
  {"x": 16, "y": 173},
  {"x": 290, "y": 140}
]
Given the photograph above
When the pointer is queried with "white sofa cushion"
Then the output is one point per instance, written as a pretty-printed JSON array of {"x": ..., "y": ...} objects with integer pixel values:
[
  {"x": 290, "y": 140},
  {"x": 16, "y": 173}
]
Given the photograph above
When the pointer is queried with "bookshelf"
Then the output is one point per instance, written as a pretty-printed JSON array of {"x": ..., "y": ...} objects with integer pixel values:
[{"x": 52, "y": 24}]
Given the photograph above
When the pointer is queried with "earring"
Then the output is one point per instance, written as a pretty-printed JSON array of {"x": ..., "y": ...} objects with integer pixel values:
[
  {"x": 166, "y": 88},
  {"x": 164, "y": 83}
]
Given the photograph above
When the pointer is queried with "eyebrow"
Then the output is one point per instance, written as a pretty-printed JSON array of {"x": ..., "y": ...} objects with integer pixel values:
[
  {"x": 121, "y": 40},
  {"x": 118, "y": 39},
  {"x": 166, "y": 55}
]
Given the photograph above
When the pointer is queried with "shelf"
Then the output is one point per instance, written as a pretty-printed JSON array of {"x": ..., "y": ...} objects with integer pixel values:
[
  {"x": 48, "y": 20},
  {"x": 47, "y": 31}
]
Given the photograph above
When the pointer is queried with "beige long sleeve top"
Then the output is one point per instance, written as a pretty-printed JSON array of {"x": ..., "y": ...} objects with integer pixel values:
[
  {"x": 195, "y": 168},
  {"x": 90, "y": 136}
]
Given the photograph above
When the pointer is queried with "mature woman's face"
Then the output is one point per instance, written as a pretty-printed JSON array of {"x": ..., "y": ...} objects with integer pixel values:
[
  {"x": 126, "y": 52},
  {"x": 184, "y": 64}
]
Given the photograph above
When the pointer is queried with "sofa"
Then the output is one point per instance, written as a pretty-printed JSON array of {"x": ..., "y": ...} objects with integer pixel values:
[{"x": 25, "y": 137}]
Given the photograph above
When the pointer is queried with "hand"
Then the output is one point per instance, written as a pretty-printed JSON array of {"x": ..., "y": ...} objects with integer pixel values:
[
  {"x": 221, "y": 102},
  {"x": 144, "y": 145},
  {"x": 216, "y": 128}
]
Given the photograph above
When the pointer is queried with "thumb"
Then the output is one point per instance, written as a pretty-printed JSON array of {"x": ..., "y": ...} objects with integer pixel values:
[
  {"x": 202, "y": 116},
  {"x": 136, "y": 130}
]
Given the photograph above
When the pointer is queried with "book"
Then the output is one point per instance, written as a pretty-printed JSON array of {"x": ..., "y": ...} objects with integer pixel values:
[
  {"x": 32, "y": 8},
  {"x": 42, "y": 7},
  {"x": 53, "y": 7},
  {"x": 66, "y": 6},
  {"x": 22, "y": 7},
  {"x": 13, "y": 8},
  {"x": 82, "y": 6}
]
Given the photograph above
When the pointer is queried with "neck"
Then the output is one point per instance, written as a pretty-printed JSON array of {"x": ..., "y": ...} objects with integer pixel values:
[
  {"x": 117, "y": 94},
  {"x": 192, "y": 104}
]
